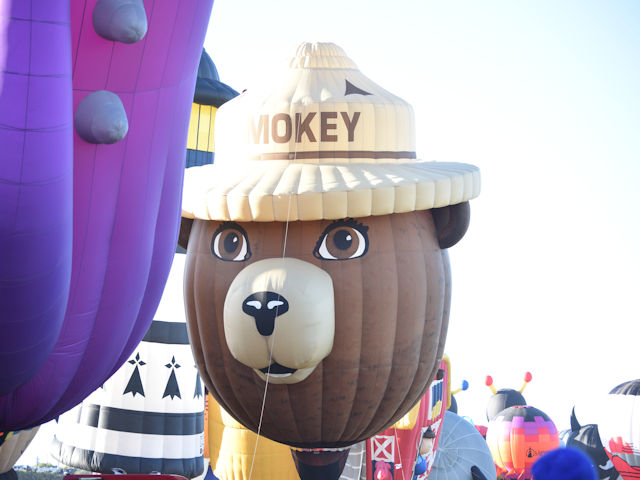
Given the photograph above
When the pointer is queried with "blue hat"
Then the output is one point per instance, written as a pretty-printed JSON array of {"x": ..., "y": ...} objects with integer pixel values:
[{"x": 564, "y": 464}]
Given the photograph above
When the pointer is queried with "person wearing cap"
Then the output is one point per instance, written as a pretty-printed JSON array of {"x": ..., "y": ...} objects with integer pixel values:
[{"x": 426, "y": 445}]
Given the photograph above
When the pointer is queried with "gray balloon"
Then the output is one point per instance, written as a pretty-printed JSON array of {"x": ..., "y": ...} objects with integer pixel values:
[
  {"x": 122, "y": 21},
  {"x": 100, "y": 118},
  {"x": 461, "y": 447}
]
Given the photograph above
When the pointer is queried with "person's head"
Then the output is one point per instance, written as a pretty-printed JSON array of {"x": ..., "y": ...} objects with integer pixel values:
[
  {"x": 564, "y": 464},
  {"x": 426, "y": 444}
]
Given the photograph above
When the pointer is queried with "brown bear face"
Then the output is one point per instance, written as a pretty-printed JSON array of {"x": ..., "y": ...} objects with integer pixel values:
[{"x": 347, "y": 317}]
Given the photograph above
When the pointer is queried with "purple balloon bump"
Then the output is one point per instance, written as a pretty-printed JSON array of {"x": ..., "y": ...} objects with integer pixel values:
[
  {"x": 93, "y": 130},
  {"x": 100, "y": 118}
]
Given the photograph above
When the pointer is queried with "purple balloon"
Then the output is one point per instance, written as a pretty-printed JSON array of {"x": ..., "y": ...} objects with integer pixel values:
[
  {"x": 126, "y": 198},
  {"x": 36, "y": 184}
]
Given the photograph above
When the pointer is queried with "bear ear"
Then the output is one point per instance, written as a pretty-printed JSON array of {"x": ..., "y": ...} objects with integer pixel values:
[
  {"x": 451, "y": 223},
  {"x": 185, "y": 231}
]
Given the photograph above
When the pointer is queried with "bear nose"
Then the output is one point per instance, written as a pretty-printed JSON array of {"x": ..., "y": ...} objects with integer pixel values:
[{"x": 264, "y": 307}]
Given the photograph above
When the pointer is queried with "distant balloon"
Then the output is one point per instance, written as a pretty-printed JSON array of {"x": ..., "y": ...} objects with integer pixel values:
[
  {"x": 505, "y": 397},
  {"x": 460, "y": 447},
  {"x": 587, "y": 439},
  {"x": 88, "y": 228},
  {"x": 619, "y": 428},
  {"x": 210, "y": 94},
  {"x": 482, "y": 430},
  {"x": 149, "y": 416},
  {"x": 517, "y": 437}
]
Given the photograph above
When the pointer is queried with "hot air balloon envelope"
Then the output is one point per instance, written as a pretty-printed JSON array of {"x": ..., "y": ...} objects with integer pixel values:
[{"x": 517, "y": 437}]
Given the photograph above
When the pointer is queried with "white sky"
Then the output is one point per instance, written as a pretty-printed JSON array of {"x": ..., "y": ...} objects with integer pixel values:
[{"x": 545, "y": 98}]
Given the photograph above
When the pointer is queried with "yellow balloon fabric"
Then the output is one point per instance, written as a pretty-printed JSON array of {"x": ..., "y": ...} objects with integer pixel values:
[
  {"x": 232, "y": 447},
  {"x": 201, "y": 127},
  {"x": 214, "y": 429},
  {"x": 409, "y": 420}
]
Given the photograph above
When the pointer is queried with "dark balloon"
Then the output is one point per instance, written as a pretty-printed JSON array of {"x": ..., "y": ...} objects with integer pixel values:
[
  {"x": 320, "y": 464},
  {"x": 505, "y": 397},
  {"x": 10, "y": 475},
  {"x": 476, "y": 474},
  {"x": 587, "y": 439},
  {"x": 453, "y": 407},
  {"x": 209, "y": 89}
]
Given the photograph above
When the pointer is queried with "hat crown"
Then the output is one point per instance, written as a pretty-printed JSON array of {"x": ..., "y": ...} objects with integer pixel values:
[
  {"x": 324, "y": 110},
  {"x": 321, "y": 55},
  {"x": 325, "y": 142}
]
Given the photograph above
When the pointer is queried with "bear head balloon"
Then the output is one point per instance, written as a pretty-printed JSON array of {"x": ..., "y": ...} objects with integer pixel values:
[{"x": 317, "y": 282}]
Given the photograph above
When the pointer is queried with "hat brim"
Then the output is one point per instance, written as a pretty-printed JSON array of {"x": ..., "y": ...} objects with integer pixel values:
[{"x": 285, "y": 191}]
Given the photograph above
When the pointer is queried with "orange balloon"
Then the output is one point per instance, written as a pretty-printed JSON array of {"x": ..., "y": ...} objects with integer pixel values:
[{"x": 517, "y": 437}]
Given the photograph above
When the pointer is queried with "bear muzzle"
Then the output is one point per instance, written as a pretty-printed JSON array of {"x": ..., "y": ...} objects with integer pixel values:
[{"x": 279, "y": 318}]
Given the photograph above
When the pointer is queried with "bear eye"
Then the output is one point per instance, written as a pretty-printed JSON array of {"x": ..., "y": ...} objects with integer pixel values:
[
  {"x": 230, "y": 243},
  {"x": 342, "y": 240}
]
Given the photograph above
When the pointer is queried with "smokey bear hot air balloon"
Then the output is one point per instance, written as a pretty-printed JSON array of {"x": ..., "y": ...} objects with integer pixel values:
[
  {"x": 94, "y": 111},
  {"x": 517, "y": 437},
  {"x": 620, "y": 428},
  {"x": 149, "y": 416},
  {"x": 317, "y": 275}
]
